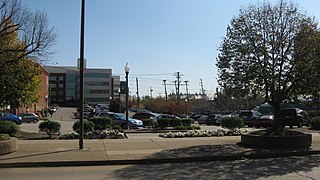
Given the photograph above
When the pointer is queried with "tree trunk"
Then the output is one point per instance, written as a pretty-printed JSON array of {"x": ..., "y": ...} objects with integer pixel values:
[{"x": 276, "y": 112}]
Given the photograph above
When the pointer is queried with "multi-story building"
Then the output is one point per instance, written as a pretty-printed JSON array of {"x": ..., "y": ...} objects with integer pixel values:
[{"x": 99, "y": 85}]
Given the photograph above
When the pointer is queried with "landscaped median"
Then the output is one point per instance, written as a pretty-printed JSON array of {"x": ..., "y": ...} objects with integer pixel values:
[{"x": 8, "y": 146}]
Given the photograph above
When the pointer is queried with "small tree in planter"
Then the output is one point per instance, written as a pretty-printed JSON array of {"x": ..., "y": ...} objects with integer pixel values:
[
  {"x": 50, "y": 127},
  {"x": 88, "y": 126},
  {"x": 232, "y": 122},
  {"x": 8, "y": 127}
]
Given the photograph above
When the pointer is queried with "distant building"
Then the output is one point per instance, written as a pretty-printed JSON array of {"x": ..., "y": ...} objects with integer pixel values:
[{"x": 99, "y": 85}]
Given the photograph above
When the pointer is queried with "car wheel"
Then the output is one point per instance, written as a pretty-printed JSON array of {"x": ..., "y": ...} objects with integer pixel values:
[
  {"x": 155, "y": 125},
  {"x": 124, "y": 126},
  {"x": 35, "y": 121}
]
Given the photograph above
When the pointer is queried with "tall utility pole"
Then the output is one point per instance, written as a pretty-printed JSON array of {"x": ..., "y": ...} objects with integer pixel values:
[
  {"x": 138, "y": 98},
  {"x": 81, "y": 74},
  {"x": 201, "y": 84},
  {"x": 187, "y": 90},
  {"x": 165, "y": 89},
  {"x": 178, "y": 76}
]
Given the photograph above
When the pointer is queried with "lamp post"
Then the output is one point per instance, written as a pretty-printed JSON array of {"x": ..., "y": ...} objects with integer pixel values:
[
  {"x": 186, "y": 100},
  {"x": 126, "y": 70},
  {"x": 81, "y": 74}
]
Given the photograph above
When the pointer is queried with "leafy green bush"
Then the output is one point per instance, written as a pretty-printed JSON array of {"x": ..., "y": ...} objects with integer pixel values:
[
  {"x": 50, "y": 127},
  {"x": 148, "y": 122},
  {"x": 186, "y": 121},
  {"x": 101, "y": 123},
  {"x": 163, "y": 123},
  {"x": 187, "y": 127},
  {"x": 232, "y": 122},
  {"x": 4, "y": 137},
  {"x": 315, "y": 123},
  {"x": 88, "y": 126},
  {"x": 169, "y": 122},
  {"x": 8, "y": 127},
  {"x": 116, "y": 127}
]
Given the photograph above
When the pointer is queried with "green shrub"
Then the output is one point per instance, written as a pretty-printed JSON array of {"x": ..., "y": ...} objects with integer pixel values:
[
  {"x": 148, "y": 122},
  {"x": 88, "y": 126},
  {"x": 232, "y": 122},
  {"x": 8, "y": 127},
  {"x": 101, "y": 123},
  {"x": 169, "y": 122},
  {"x": 163, "y": 122},
  {"x": 4, "y": 137},
  {"x": 186, "y": 121},
  {"x": 187, "y": 127},
  {"x": 50, "y": 127},
  {"x": 116, "y": 127},
  {"x": 315, "y": 123}
]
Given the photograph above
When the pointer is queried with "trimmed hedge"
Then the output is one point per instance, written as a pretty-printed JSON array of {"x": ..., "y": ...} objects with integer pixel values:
[
  {"x": 88, "y": 126},
  {"x": 101, "y": 123},
  {"x": 315, "y": 123},
  {"x": 187, "y": 127},
  {"x": 166, "y": 122},
  {"x": 8, "y": 127},
  {"x": 148, "y": 122},
  {"x": 50, "y": 127},
  {"x": 232, "y": 122},
  {"x": 186, "y": 121}
]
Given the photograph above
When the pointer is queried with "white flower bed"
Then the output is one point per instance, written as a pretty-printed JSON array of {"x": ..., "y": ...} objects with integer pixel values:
[
  {"x": 203, "y": 133},
  {"x": 103, "y": 134}
]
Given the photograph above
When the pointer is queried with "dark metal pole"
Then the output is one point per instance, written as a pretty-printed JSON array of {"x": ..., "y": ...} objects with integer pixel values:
[
  {"x": 81, "y": 73},
  {"x": 127, "y": 97}
]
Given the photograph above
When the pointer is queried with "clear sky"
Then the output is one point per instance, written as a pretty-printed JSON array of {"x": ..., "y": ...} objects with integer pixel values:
[{"x": 156, "y": 37}]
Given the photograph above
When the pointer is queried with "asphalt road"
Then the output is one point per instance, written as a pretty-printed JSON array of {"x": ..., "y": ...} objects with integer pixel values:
[{"x": 293, "y": 168}]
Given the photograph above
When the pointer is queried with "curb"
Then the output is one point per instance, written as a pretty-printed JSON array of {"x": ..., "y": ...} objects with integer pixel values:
[{"x": 159, "y": 161}]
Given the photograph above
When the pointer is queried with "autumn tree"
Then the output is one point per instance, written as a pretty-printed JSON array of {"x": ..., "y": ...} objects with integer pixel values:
[
  {"x": 24, "y": 40},
  {"x": 258, "y": 54}
]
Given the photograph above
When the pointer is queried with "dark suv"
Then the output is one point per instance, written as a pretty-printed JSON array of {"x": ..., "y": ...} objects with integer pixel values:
[
  {"x": 294, "y": 117},
  {"x": 146, "y": 116},
  {"x": 249, "y": 116}
]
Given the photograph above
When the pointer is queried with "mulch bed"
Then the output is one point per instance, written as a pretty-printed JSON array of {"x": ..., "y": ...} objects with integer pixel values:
[{"x": 33, "y": 136}]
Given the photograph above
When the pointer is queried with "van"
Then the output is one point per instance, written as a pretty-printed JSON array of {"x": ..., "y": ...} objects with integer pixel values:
[{"x": 294, "y": 117}]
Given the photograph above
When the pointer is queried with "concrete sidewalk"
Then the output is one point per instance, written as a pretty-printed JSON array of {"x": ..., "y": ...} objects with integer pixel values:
[{"x": 139, "y": 149}]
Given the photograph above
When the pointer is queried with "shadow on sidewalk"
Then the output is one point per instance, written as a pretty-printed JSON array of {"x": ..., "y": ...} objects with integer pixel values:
[
  {"x": 38, "y": 154},
  {"x": 237, "y": 169}
]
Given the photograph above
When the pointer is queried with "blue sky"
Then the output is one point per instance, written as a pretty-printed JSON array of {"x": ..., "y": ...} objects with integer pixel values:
[{"x": 156, "y": 37}]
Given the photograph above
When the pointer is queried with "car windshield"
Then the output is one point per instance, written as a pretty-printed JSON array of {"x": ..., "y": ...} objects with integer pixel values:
[{"x": 121, "y": 116}]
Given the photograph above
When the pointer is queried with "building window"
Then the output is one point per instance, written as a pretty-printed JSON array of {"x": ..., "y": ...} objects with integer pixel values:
[{"x": 96, "y": 75}]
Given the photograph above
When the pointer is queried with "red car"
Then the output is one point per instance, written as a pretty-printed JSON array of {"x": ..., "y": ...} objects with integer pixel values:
[{"x": 264, "y": 121}]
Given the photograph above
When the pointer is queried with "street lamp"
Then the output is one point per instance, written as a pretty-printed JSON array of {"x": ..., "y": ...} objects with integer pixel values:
[
  {"x": 126, "y": 70},
  {"x": 186, "y": 100}
]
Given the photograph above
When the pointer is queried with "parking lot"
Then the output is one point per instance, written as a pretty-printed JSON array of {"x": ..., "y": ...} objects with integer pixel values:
[{"x": 65, "y": 116}]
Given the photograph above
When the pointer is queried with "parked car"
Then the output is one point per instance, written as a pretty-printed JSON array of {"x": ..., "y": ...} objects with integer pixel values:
[
  {"x": 248, "y": 116},
  {"x": 120, "y": 119},
  {"x": 29, "y": 117},
  {"x": 5, "y": 116},
  {"x": 167, "y": 116},
  {"x": 147, "y": 116},
  {"x": 207, "y": 119},
  {"x": 294, "y": 117},
  {"x": 264, "y": 121}
]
